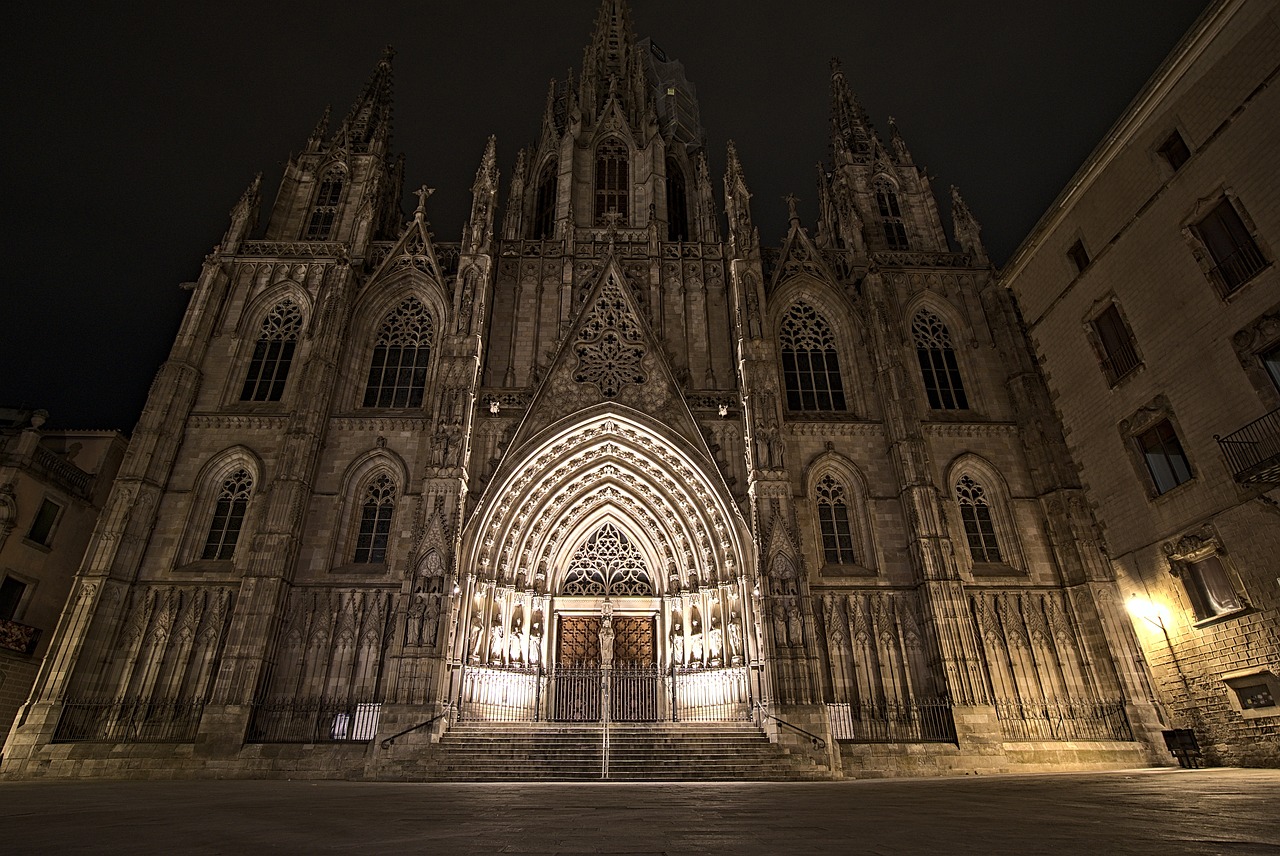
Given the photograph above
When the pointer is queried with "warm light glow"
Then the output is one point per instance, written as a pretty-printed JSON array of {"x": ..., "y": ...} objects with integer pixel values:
[{"x": 1152, "y": 613}]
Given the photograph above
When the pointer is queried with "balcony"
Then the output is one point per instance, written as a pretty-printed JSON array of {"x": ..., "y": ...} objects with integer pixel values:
[
  {"x": 1253, "y": 452},
  {"x": 18, "y": 637},
  {"x": 1237, "y": 268}
]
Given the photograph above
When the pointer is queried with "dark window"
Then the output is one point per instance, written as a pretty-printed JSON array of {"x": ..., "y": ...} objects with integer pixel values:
[
  {"x": 810, "y": 364},
  {"x": 895, "y": 229},
  {"x": 544, "y": 204},
  {"x": 228, "y": 516},
  {"x": 938, "y": 364},
  {"x": 979, "y": 529},
  {"x": 1118, "y": 354},
  {"x": 42, "y": 527},
  {"x": 1236, "y": 258},
  {"x": 11, "y": 592},
  {"x": 398, "y": 370},
  {"x": 1210, "y": 588},
  {"x": 1175, "y": 151},
  {"x": 833, "y": 520},
  {"x": 677, "y": 203},
  {"x": 1164, "y": 456},
  {"x": 1271, "y": 362},
  {"x": 273, "y": 354},
  {"x": 613, "y": 179},
  {"x": 325, "y": 210},
  {"x": 1079, "y": 256},
  {"x": 375, "y": 522}
]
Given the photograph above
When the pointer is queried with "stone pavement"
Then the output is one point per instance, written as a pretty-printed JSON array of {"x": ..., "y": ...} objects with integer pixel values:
[{"x": 1167, "y": 812}]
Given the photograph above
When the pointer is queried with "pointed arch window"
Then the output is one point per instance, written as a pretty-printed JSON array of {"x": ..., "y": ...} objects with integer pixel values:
[
  {"x": 398, "y": 372},
  {"x": 228, "y": 516},
  {"x": 613, "y": 182},
  {"x": 833, "y": 521},
  {"x": 677, "y": 203},
  {"x": 375, "y": 521},
  {"x": 975, "y": 513},
  {"x": 325, "y": 210},
  {"x": 938, "y": 364},
  {"x": 810, "y": 364},
  {"x": 273, "y": 353},
  {"x": 895, "y": 228},
  {"x": 544, "y": 203},
  {"x": 608, "y": 564}
]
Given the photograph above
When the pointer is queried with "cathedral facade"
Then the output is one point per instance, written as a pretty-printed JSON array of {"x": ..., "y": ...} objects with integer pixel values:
[{"x": 608, "y": 460}]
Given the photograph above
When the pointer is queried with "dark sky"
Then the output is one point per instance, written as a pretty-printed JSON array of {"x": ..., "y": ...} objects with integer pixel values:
[{"x": 132, "y": 131}]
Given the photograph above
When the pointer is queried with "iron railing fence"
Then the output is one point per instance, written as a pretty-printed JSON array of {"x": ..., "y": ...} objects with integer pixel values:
[
  {"x": 710, "y": 695},
  {"x": 1238, "y": 268},
  {"x": 575, "y": 693},
  {"x": 1063, "y": 720},
  {"x": 634, "y": 692},
  {"x": 1121, "y": 359},
  {"x": 1253, "y": 452},
  {"x": 495, "y": 694},
  {"x": 129, "y": 720},
  {"x": 926, "y": 720},
  {"x": 314, "y": 720}
]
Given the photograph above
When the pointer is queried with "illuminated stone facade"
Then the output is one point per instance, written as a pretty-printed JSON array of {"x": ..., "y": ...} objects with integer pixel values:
[{"x": 602, "y": 460}]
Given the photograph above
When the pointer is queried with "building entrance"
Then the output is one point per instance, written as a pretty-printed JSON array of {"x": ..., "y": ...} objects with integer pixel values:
[{"x": 631, "y": 677}]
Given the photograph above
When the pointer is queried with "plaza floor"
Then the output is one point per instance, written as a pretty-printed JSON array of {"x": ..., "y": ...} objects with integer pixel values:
[{"x": 1168, "y": 811}]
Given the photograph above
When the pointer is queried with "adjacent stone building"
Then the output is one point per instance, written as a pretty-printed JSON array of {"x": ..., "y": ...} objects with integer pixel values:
[
  {"x": 1151, "y": 295},
  {"x": 609, "y": 463},
  {"x": 52, "y": 486}
]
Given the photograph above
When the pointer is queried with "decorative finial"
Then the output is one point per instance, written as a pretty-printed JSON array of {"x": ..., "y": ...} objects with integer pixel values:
[
  {"x": 611, "y": 219},
  {"x": 423, "y": 193},
  {"x": 388, "y": 53},
  {"x": 791, "y": 199}
]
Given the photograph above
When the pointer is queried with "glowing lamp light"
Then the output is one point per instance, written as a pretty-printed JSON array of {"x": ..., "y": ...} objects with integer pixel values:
[
  {"x": 457, "y": 589},
  {"x": 1149, "y": 612}
]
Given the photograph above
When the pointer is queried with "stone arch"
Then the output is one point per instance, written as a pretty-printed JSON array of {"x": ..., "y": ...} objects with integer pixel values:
[
  {"x": 849, "y": 476},
  {"x": 951, "y": 316},
  {"x": 204, "y": 492},
  {"x": 996, "y": 492},
  {"x": 372, "y": 310},
  {"x": 846, "y": 326},
  {"x": 363, "y": 470}
]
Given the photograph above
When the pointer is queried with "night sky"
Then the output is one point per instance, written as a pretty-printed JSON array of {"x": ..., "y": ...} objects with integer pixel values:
[{"x": 133, "y": 131}]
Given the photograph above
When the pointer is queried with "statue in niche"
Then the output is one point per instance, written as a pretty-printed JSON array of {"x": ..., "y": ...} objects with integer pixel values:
[
  {"x": 677, "y": 646},
  {"x": 477, "y": 637},
  {"x": 535, "y": 643},
  {"x": 496, "y": 647},
  {"x": 515, "y": 647},
  {"x": 695, "y": 649},
  {"x": 431, "y": 621},
  {"x": 735, "y": 640},
  {"x": 715, "y": 641},
  {"x": 794, "y": 625},
  {"x": 417, "y": 615},
  {"x": 780, "y": 624}
]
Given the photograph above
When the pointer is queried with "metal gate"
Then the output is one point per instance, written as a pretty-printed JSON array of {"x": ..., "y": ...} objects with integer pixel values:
[
  {"x": 634, "y": 691},
  {"x": 575, "y": 691}
]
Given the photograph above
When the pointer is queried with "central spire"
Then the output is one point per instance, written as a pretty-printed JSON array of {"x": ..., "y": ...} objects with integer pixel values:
[
  {"x": 613, "y": 38},
  {"x": 611, "y": 66}
]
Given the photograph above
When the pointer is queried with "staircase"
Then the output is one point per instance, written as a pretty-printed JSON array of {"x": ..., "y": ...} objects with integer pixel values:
[{"x": 637, "y": 752}]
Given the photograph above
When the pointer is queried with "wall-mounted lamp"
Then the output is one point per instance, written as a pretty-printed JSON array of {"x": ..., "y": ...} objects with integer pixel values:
[{"x": 1146, "y": 610}]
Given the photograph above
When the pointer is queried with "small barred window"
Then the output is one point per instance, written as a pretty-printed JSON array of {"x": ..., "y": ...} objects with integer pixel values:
[
  {"x": 833, "y": 520},
  {"x": 273, "y": 353},
  {"x": 228, "y": 516},
  {"x": 375, "y": 521},
  {"x": 398, "y": 372},
  {"x": 810, "y": 364},
  {"x": 938, "y": 364},
  {"x": 979, "y": 529}
]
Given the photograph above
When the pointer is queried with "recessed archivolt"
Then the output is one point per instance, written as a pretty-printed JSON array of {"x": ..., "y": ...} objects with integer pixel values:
[{"x": 606, "y": 466}]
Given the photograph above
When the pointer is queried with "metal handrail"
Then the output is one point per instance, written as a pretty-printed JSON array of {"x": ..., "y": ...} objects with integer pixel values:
[
  {"x": 387, "y": 742},
  {"x": 818, "y": 742}
]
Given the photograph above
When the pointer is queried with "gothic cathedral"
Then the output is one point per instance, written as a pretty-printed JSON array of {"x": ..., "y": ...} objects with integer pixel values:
[{"x": 606, "y": 463}]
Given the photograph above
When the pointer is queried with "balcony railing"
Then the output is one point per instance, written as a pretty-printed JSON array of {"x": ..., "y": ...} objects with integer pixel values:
[
  {"x": 62, "y": 471},
  {"x": 1120, "y": 360},
  {"x": 1238, "y": 268},
  {"x": 18, "y": 637},
  {"x": 1064, "y": 720},
  {"x": 1253, "y": 452}
]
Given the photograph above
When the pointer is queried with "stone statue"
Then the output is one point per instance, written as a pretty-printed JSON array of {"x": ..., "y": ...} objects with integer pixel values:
[{"x": 794, "y": 625}]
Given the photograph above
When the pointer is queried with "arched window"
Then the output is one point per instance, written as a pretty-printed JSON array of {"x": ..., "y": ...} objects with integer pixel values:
[
  {"x": 895, "y": 229},
  {"x": 325, "y": 210},
  {"x": 938, "y": 363},
  {"x": 398, "y": 373},
  {"x": 544, "y": 203},
  {"x": 608, "y": 564},
  {"x": 273, "y": 353},
  {"x": 228, "y": 516},
  {"x": 833, "y": 520},
  {"x": 613, "y": 180},
  {"x": 677, "y": 203},
  {"x": 375, "y": 521},
  {"x": 810, "y": 364},
  {"x": 979, "y": 529}
]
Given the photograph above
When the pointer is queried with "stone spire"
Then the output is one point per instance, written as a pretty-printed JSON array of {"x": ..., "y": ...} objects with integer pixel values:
[
  {"x": 484, "y": 195},
  {"x": 851, "y": 131},
  {"x": 737, "y": 203},
  {"x": 513, "y": 218},
  {"x": 901, "y": 154},
  {"x": 610, "y": 64},
  {"x": 320, "y": 132},
  {"x": 968, "y": 232},
  {"x": 369, "y": 122},
  {"x": 244, "y": 216}
]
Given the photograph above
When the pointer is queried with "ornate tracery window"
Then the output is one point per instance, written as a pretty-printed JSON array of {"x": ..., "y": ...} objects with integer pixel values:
[
  {"x": 398, "y": 372},
  {"x": 325, "y": 210},
  {"x": 375, "y": 521},
  {"x": 677, "y": 203},
  {"x": 544, "y": 203},
  {"x": 273, "y": 353},
  {"x": 810, "y": 364},
  {"x": 895, "y": 229},
  {"x": 228, "y": 516},
  {"x": 833, "y": 521},
  {"x": 938, "y": 364},
  {"x": 613, "y": 180},
  {"x": 979, "y": 529},
  {"x": 608, "y": 564}
]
